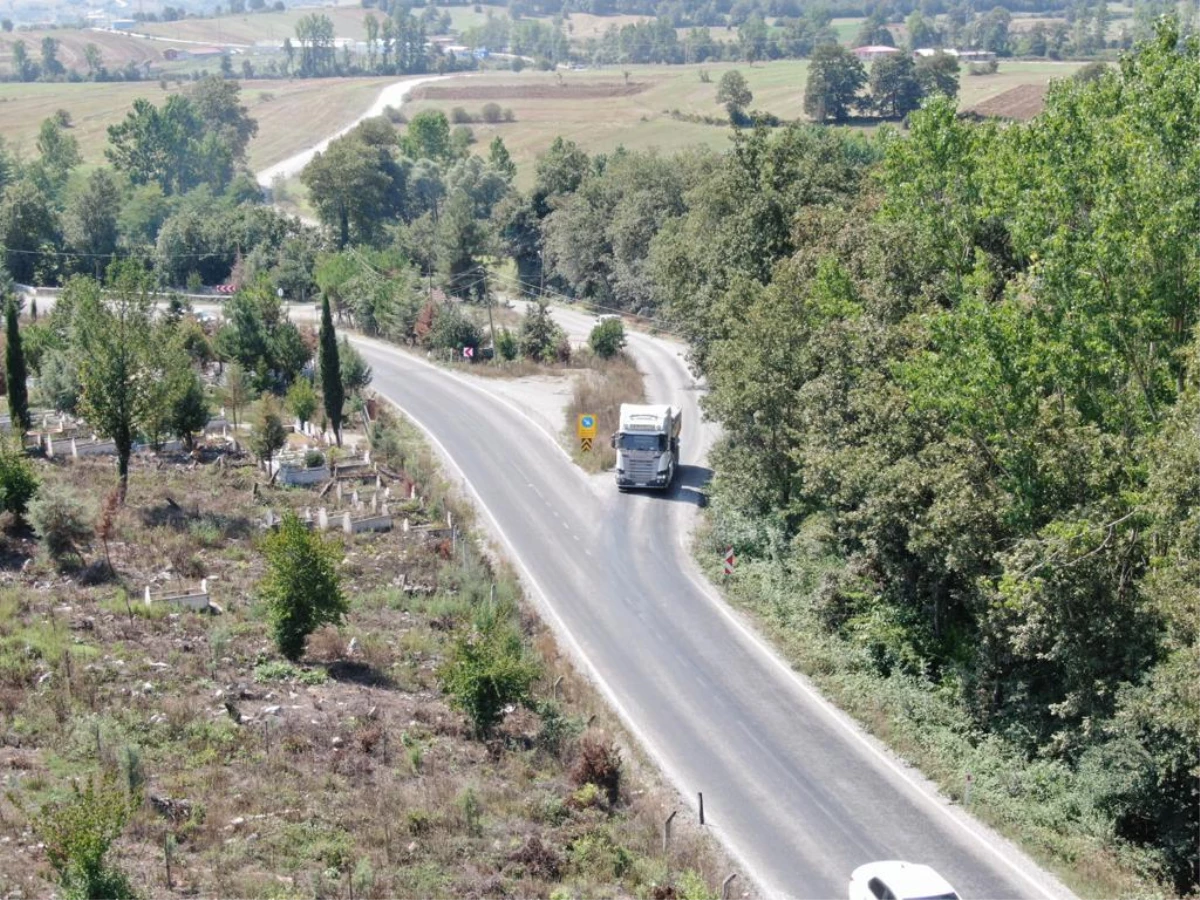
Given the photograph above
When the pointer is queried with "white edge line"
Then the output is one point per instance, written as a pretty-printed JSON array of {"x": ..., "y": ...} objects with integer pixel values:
[{"x": 574, "y": 648}]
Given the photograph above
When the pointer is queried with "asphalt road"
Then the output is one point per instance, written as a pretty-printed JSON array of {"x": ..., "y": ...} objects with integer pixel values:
[{"x": 796, "y": 792}]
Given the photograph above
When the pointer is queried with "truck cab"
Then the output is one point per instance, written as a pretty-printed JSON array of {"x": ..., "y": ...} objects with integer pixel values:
[{"x": 647, "y": 445}]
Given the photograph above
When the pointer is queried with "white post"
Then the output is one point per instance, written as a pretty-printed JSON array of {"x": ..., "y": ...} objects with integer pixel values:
[
  {"x": 323, "y": 519},
  {"x": 74, "y": 449},
  {"x": 147, "y": 595},
  {"x": 338, "y": 488},
  {"x": 347, "y": 525},
  {"x": 49, "y": 447}
]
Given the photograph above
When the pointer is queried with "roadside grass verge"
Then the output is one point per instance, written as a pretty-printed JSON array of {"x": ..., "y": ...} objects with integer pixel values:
[
  {"x": 600, "y": 391},
  {"x": 1037, "y": 804}
]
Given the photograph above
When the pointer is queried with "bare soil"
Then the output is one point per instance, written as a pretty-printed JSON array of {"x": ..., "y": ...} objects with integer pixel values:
[
  {"x": 1020, "y": 103},
  {"x": 567, "y": 90},
  {"x": 348, "y": 774}
]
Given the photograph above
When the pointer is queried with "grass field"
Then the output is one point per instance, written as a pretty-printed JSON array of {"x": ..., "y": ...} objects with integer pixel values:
[
  {"x": 640, "y": 121},
  {"x": 268, "y": 26},
  {"x": 116, "y": 49},
  {"x": 291, "y": 115}
]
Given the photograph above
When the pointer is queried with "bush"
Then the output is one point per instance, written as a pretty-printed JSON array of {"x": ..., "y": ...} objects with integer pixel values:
[
  {"x": 314, "y": 459},
  {"x": 78, "y": 834},
  {"x": 985, "y": 68},
  {"x": 506, "y": 345},
  {"x": 62, "y": 522},
  {"x": 18, "y": 481},
  {"x": 491, "y": 113},
  {"x": 509, "y": 115},
  {"x": 488, "y": 670},
  {"x": 607, "y": 338},
  {"x": 301, "y": 588},
  {"x": 459, "y": 116},
  {"x": 598, "y": 762},
  {"x": 540, "y": 336}
]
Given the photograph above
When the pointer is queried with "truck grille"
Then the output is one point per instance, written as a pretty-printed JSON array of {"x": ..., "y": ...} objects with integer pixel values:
[{"x": 641, "y": 471}]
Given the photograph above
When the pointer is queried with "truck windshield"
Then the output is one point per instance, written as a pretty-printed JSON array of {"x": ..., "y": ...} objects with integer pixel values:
[{"x": 640, "y": 441}]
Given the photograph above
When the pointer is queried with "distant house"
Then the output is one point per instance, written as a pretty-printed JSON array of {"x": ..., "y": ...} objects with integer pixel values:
[
  {"x": 873, "y": 51},
  {"x": 122, "y": 24}
]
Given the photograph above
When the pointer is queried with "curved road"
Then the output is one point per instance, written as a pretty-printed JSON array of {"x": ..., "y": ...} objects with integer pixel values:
[{"x": 794, "y": 790}]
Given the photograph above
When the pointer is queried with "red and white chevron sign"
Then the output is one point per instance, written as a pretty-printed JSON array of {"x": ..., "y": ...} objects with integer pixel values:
[
  {"x": 225, "y": 289},
  {"x": 730, "y": 561}
]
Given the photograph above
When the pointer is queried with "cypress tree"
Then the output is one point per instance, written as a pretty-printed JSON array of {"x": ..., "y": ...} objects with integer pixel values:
[
  {"x": 331, "y": 372},
  {"x": 14, "y": 370}
]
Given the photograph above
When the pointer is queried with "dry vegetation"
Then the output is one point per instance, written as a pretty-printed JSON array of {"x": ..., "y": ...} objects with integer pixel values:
[
  {"x": 600, "y": 391},
  {"x": 348, "y": 775}
]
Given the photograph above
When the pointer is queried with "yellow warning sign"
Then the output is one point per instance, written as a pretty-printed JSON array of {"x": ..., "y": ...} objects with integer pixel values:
[
  {"x": 585, "y": 428},
  {"x": 585, "y": 444}
]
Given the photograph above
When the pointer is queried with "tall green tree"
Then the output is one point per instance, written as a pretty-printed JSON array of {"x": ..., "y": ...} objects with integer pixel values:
[
  {"x": 332, "y": 390},
  {"x": 29, "y": 225},
  {"x": 14, "y": 370},
  {"x": 90, "y": 223},
  {"x": 835, "y": 76},
  {"x": 734, "y": 94},
  {"x": 110, "y": 333},
  {"x": 301, "y": 588},
  {"x": 895, "y": 90}
]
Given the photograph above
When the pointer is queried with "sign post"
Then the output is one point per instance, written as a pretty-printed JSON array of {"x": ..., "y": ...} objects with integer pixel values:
[
  {"x": 730, "y": 561},
  {"x": 585, "y": 429}
]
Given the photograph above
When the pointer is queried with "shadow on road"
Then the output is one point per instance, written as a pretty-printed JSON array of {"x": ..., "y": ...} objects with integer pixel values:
[{"x": 690, "y": 486}]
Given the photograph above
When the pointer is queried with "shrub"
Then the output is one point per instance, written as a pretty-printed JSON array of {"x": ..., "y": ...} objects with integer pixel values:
[
  {"x": 301, "y": 588},
  {"x": 460, "y": 116},
  {"x": 491, "y": 113},
  {"x": 509, "y": 115},
  {"x": 78, "y": 834},
  {"x": 302, "y": 400},
  {"x": 598, "y": 762},
  {"x": 607, "y": 338},
  {"x": 506, "y": 345},
  {"x": 18, "y": 481},
  {"x": 62, "y": 522},
  {"x": 314, "y": 459},
  {"x": 540, "y": 336},
  {"x": 487, "y": 670}
]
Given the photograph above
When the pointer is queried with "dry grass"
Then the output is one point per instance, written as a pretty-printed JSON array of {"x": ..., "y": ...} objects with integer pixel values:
[
  {"x": 291, "y": 114},
  {"x": 600, "y": 392},
  {"x": 348, "y": 773}
]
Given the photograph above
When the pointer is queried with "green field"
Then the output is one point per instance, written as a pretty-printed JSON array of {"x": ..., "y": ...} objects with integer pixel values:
[
  {"x": 641, "y": 121},
  {"x": 291, "y": 115},
  {"x": 268, "y": 26}
]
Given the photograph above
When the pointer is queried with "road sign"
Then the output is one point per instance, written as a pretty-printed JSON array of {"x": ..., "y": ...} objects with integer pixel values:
[
  {"x": 730, "y": 561},
  {"x": 468, "y": 352},
  {"x": 586, "y": 427},
  {"x": 585, "y": 444}
]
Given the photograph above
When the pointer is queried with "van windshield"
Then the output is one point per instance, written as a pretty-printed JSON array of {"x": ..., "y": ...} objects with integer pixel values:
[{"x": 629, "y": 441}]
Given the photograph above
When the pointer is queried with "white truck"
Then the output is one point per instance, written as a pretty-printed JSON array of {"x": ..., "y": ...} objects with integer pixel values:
[{"x": 647, "y": 445}]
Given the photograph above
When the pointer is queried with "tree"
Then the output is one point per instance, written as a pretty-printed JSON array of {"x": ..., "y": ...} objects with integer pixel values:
[
  {"x": 237, "y": 391},
  {"x": 349, "y": 184},
  {"x": 90, "y": 224},
  {"x": 428, "y": 136},
  {"x": 835, "y": 76},
  {"x": 14, "y": 370},
  {"x": 269, "y": 435},
  {"x": 488, "y": 670},
  {"x": 301, "y": 589},
  {"x": 18, "y": 481},
  {"x": 302, "y": 400},
  {"x": 110, "y": 334},
  {"x": 608, "y": 338},
  {"x": 356, "y": 374},
  {"x": 734, "y": 93},
  {"x": 94, "y": 59},
  {"x": 189, "y": 409},
  {"x": 51, "y": 66},
  {"x": 217, "y": 104},
  {"x": 59, "y": 151},
  {"x": 78, "y": 834},
  {"x": 23, "y": 67},
  {"x": 921, "y": 33},
  {"x": 938, "y": 74},
  {"x": 539, "y": 336},
  {"x": 28, "y": 225},
  {"x": 332, "y": 390},
  {"x": 500, "y": 160},
  {"x": 895, "y": 91}
]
